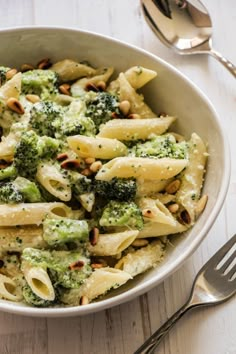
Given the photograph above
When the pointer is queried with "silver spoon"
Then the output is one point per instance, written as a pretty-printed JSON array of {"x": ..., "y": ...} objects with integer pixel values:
[{"x": 184, "y": 26}]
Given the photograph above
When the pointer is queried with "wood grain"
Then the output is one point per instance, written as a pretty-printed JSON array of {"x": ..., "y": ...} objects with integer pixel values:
[{"x": 122, "y": 329}]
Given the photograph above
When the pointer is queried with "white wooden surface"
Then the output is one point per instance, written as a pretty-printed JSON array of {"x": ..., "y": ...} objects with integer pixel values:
[{"x": 121, "y": 329}]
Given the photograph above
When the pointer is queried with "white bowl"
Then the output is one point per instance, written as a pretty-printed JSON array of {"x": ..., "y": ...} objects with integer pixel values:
[{"x": 170, "y": 92}]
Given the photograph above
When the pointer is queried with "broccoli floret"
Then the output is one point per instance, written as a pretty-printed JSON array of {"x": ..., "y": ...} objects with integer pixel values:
[
  {"x": 8, "y": 172},
  {"x": 46, "y": 118},
  {"x": 100, "y": 107},
  {"x": 3, "y": 71},
  {"x": 160, "y": 146},
  {"x": 60, "y": 231},
  {"x": 10, "y": 194},
  {"x": 32, "y": 299},
  {"x": 43, "y": 83},
  {"x": 80, "y": 184},
  {"x": 122, "y": 214},
  {"x": 30, "y": 149},
  {"x": 117, "y": 189},
  {"x": 79, "y": 125},
  {"x": 70, "y": 268},
  {"x": 28, "y": 189}
]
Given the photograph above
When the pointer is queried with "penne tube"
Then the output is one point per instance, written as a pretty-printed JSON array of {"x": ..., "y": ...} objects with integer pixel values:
[
  {"x": 155, "y": 211},
  {"x": 17, "y": 238},
  {"x": 12, "y": 88},
  {"x": 39, "y": 281},
  {"x": 100, "y": 148},
  {"x": 69, "y": 70},
  {"x": 155, "y": 229},
  {"x": 141, "y": 167},
  {"x": 139, "y": 261},
  {"x": 150, "y": 187},
  {"x": 134, "y": 129},
  {"x": 32, "y": 213},
  {"x": 8, "y": 289},
  {"x": 113, "y": 244}
]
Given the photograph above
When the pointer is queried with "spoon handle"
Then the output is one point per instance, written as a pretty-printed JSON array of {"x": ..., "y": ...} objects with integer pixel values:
[{"x": 227, "y": 64}]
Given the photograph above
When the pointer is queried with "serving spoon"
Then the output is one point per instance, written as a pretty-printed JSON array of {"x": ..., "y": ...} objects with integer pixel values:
[{"x": 185, "y": 26}]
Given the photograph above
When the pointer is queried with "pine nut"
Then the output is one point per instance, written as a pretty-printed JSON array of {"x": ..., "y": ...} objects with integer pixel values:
[
  {"x": 44, "y": 64},
  {"x": 32, "y": 98},
  {"x": 141, "y": 242},
  {"x": 93, "y": 236},
  {"x": 76, "y": 265},
  {"x": 173, "y": 208},
  {"x": 200, "y": 206},
  {"x": 124, "y": 107},
  {"x": 173, "y": 186},
  {"x": 96, "y": 265},
  {"x": 26, "y": 67},
  {"x": 86, "y": 172},
  {"x": 84, "y": 300},
  {"x": 65, "y": 89},
  {"x": 10, "y": 73},
  {"x": 15, "y": 105},
  {"x": 91, "y": 87},
  {"x": 70, "y": 163},
  {"x": 95, "y": 166},
  {"x": 184, "y": 217},
  {"x": 89, "y": 160},
  {"x": 101, "y": 85}
]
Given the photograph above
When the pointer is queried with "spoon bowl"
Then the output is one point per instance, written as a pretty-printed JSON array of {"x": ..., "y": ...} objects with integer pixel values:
[{"x": 184, "y": 26}]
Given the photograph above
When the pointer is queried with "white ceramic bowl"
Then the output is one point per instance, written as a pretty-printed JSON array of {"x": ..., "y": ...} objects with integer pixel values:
[{"x": 170, "y": 92}]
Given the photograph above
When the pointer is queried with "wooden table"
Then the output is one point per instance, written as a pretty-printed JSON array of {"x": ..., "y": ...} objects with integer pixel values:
[{"x": 121, "y": 329}]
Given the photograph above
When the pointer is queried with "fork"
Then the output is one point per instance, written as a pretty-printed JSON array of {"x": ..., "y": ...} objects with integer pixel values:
[{"x": 214, "y": 284}]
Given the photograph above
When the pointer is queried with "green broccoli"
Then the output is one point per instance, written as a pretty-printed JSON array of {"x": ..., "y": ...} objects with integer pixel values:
[
  {"x": 9, "y": 193},
  {"x": 46, "y": 118},
  {"x": 43, "y": 83},
  {"x": 118, "y": 213},
  {"x": 60, "y": 231},
  {"x": 101, "y": 106},
  {"x": 28, "y": 189},
  {"x": 79, "y": 125},
  {"x": 70, "y": 268},
  {"x": 32, "y": 299},
  {"x": 122, "y": 189},
  {"x": 160, "y": 146},
  {"x": 8, "y": 172},
  {"x": 3, "y": 71},
  {"x": 80, "y": 184},
  {"x": 30, "y": 149}
]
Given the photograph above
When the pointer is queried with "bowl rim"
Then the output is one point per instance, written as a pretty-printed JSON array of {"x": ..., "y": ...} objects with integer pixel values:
[{"x": 128, "y": 295}]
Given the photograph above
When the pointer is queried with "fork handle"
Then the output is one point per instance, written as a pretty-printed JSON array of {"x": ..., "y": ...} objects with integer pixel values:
[
  {"x": 227, "y": 64},
  {"x": 151, "y": 343}
]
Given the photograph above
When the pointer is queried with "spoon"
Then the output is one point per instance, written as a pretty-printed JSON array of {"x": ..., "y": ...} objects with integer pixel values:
[{"x": 183, "y": 25}]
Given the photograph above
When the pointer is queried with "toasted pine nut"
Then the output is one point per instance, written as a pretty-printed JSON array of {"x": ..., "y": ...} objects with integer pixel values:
[
  {"x": 101, "y": 85},
  {"x": 70, "y": 163},
  {"x": 44, "y": 64},
  {"x": 86, "y": 172},
  {"x": 173, "y": 208},
  {"x": 124, "y": 107},
  {"x": 26, "y": 67},
  {"x": 114, "y": 115},
  {"x": 15, "y": 105},
  {"x": 184, "y": 217},
  {"x": 200, "y": 206},
  {"x": 32, "y": 98},
  {"x": 134, "y": 116},
  {"x": 91, "y": 87},
  {"x": 76, "y": 265},
  {"x": 93, "y": 236},
  {"x": 147, "y": 213},
  {"x": 96, "y": 265},
  {"x": 10, "y": 73},
  {"x": 140, "y": 242},
  {"x": 89, "y": 160},
  {"x": 173, "y": 186},
  {"x": 84, "y": 300},
  {"x": 65, "y": 89},
  {"x": 62, "y": 156},
  {"x": 95, "y": 166}
]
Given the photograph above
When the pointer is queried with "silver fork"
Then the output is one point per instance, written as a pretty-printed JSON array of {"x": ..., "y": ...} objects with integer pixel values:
[{"x": 214, "y": 283}]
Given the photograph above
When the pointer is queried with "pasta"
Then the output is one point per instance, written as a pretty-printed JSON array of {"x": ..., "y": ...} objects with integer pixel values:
[{"x": 91, "y": 179}]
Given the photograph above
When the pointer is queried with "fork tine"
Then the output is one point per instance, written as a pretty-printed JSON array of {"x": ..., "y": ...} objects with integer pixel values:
[
  {"x": 219, "y": 255},
  {"x": 231, "y": 272},
  {"x": 224, "y": 267}
]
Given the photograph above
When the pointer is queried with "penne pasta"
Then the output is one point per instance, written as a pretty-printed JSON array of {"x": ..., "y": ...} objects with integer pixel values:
[
  {"x": 155, "y": 211},
  {"x": 8, "y": 289},
  {"x": 153, "y": 229},
  {"x": 100, "y": 148},
  {"x": 113, "y": 244},
  {"x": 135, "y": 129},
  {"x": 69, "y": 70},
  {"x": 138, "y": 167},
  {"x": 12, "y": 88}
]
